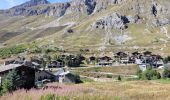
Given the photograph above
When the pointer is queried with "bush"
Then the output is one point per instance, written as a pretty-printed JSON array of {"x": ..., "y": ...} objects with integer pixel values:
[
  {"x": 7, "y": 52},
  {"x": 119, "y": 78},
  {"x": 166, "y": 73},
  {"x": 149, "y": 74},
  {"x": 11, "y": 82},
  {"x": 109, "y": 76},
  {"x": 167, "y": 59}
]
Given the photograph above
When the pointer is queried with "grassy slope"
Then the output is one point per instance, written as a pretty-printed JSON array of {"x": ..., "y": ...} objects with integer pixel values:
[{"x": 83, "y": 36}]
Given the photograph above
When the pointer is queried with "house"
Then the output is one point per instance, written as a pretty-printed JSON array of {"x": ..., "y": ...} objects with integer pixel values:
[
  {"x": 105, "y": 61},
  {"x": 26, "y": 73},
  {"x": 43, "y": 74},
  {"x": 92, "y": 59},
  {"x": 56, "y": 64},
  {"x": 65, "y": 76},
  {"x": 147, "y": 53},
  {"x": 122, "y": 57}
]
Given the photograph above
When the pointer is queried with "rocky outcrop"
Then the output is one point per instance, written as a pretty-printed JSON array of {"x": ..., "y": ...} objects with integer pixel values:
[
  {"x": 82, "y": 6},
  {"x": 25, "y": 8},
  {"x": 161, "y": 22},
  {"x": 104, "y": 4},
  {"x": 34, "y": 7},
  {"x": 47, "y": 9},
  {"x": 116, "y": 21}
]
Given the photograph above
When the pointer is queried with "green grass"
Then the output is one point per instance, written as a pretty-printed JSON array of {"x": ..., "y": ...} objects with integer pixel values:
[
  {"x": 163, "y": 81},
  {"x": 86, "y": 80}
]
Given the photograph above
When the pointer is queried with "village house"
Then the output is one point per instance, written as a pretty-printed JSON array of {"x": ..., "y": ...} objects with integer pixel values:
[
  {"x": 149, "y": 60},
  {"x": 26, "y": 73},
  {"x": 122, "y": 57},
  {"x": 105, "y": 61},
  {"x": 41, "y": 75},
  {"x": 92, "y": 60},
  {"x": 56, "y": 64}
]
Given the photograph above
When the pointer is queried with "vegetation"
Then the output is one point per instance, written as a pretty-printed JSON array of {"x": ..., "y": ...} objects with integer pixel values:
[
  {"x": 119, "y": 78},
  {"x": 167, "y": 59},
  {"x": 124, "y": 90},
  {"x": 53, "y": 97},
  {"x": 149, "y": 74},
  {"x": 166, "y": 73},
  {"x": 7, "y": 52},
  {"x": 11, "y": 82}
]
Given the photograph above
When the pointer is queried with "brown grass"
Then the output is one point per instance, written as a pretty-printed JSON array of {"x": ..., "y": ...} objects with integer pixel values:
[{"x": 134, "y": 90}]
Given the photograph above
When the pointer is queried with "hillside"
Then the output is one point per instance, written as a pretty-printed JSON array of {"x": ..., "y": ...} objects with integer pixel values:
[{"x": 97, "y": 24}]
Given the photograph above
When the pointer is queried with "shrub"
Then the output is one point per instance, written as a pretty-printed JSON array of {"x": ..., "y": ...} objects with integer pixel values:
[
  {"x": 11, "y": 82},
  {"x": 7, "y": 52},
  {"x": 119, "y": 78},
  {"x": 149, "y": 74},
  {"x": 166, "y": 73},
  {"x": 166, "y": 59},
  {"x": 109, "y": 76}
]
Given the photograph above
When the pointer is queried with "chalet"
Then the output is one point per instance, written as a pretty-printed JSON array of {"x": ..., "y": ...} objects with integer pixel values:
[
  {"x": 26, "y": 73},
  {"x": 105, "y": 61},
  {"x": 92, "y": 59},
  {"x": 43, "y": 74},
  {"x": 56, "y": 64},
  {"x": 122, "y": 57},
  {"x": 147, "y": 53}
]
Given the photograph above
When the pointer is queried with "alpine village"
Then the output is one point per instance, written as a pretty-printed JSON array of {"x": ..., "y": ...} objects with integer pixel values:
[{"x": 84, "y": 50}]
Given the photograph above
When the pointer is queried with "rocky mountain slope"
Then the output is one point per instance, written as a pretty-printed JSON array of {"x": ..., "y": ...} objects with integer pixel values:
[{"x": 99, "y": 24}]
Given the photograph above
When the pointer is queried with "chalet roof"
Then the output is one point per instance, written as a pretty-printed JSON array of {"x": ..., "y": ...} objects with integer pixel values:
[
  {"x": 9, "y": 67},
  {"x": 136, "y": 53},
  {"x": 121, "y": 54},
  {"x": 105, "y": 58},
  {"x": 13, "y": 66},
  {"x": 147, "y": 53}
]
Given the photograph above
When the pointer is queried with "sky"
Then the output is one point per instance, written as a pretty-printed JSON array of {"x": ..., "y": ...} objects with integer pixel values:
[{"x": 5, "y": 4}]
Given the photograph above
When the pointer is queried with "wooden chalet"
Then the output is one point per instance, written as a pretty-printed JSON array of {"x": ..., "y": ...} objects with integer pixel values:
[{"x": 26, "y": 73}]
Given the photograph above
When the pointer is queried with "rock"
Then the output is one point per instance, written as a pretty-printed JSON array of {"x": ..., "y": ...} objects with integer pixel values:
[
  {"x": 161, "y": 22},
  {"x": 116, "y": 21},
  {"x": 111, "y": 21},
  {"x": 133, "y": 19}
]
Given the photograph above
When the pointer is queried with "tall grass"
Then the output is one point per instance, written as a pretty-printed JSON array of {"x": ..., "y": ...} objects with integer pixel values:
[{"x": 131, "y": 90}]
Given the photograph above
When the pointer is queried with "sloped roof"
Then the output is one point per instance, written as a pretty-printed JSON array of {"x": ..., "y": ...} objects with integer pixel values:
[{"x": 9, "y": 67}]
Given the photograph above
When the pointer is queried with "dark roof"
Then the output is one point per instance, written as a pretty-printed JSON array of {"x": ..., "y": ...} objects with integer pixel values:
[
  {"x": 147, "y": 53},
  {"x": 135, "y": 53},
  {"x": 12, "y": 66},
  {"x": 105, "y": 58}
]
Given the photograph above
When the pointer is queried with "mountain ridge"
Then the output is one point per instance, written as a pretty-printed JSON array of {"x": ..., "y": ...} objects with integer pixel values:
[{"x": 101, "y": 23}]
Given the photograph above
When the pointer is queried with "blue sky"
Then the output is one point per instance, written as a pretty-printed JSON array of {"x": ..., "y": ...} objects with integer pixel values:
[{"x": 5, "y": 4}]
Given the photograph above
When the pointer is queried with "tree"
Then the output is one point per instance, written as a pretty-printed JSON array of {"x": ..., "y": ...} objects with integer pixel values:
[
  {"x": 166, "y": 73},
  {"x": 119, "y": 78},
  {"x": 149, "y": 74},
  {"x": 166, "y": 59},
  {"x": 11, "y": 82},
  {"x": 43, "y": 64}
]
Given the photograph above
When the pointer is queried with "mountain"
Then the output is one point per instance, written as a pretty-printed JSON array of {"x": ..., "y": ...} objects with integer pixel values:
[{"x": 96, "y": 24}]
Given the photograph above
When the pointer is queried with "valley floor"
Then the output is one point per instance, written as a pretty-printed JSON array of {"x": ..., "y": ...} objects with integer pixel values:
[{"x": 125, "y": 90}]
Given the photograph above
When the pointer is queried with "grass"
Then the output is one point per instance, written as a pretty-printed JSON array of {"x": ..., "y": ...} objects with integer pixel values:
[
  {"x": 128, "y": 70},
  {"x": 163, "y": 81},
  {"x": 126, "y": 90}
]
